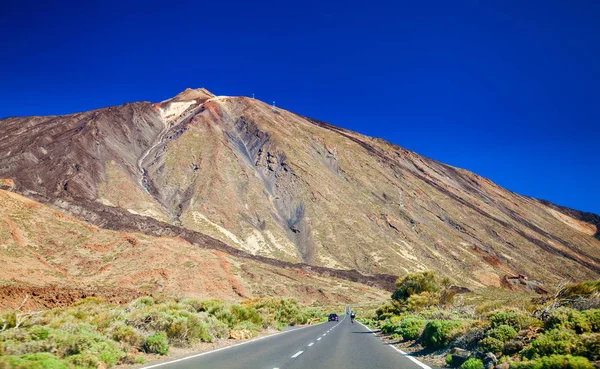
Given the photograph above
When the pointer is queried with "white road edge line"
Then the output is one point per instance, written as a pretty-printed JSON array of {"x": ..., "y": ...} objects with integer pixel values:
[
  {"x": 297, "y": 354},
  {"x": 409, "y": 357},
  {"x": 227, "y": 347}
]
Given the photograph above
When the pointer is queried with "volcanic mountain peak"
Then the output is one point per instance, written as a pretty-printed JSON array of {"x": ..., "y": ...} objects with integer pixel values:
[
  {"x": 192, "y": 94},
  {"x": 280, "y": 185}
]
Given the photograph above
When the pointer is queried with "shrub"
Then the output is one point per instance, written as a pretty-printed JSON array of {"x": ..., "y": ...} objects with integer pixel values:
[
  {"x": 86, "y": 360},
  {"x": 39, "y": 333},
  {"x": 411, "y": 328},
  {"x": 585, "y": 288},
  {"x": 246, "y": 314},
  {"x": 213, "y": 307},
  {"x": 591, "y": 346},
  {"x": 513, "y": 347},
  {"x": 247, "y": 325},
  {"x": 472, "y": 363},
  {"x": 593, "y": 317},
  {"x": 9, "y": 318},
  {"x": 421, "y": 301},
  {"x": 141, "y": 302},
  {"x": 503, "y": 333},
  {"x": 449, "y": 360},
  {"x": 414, "y": 284},
  {"x": 156, "y": 344},
  {"x": 126, "y": 334},
  {"x": 216, "y": 328},
  {"x": 438, "y": 333},
  {"x": 566, "y": 318},
  {"x": 42, "y": 360},
  {"x": 491, "y": 344},
  {"x": 554, "y": 362},
  {"x": 517, "y": 320},
  {"x": 387, "y": 310},
  {"x": 388, "y": 327},
  {"x": 554, "y": 342}
]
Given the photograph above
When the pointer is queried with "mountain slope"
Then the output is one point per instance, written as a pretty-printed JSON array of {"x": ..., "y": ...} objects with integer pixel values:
[
  {"x": 57, "y": 258},
  {"x": 277, "y": 184}
]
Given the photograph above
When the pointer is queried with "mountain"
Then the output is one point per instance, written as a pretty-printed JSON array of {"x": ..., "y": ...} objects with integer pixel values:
[
  {"x": 57, "y": 259},
  {"x": 281, "y": 186}
]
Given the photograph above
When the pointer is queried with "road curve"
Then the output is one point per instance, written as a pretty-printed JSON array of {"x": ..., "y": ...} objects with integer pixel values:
[{"x": 333, "y": 345}]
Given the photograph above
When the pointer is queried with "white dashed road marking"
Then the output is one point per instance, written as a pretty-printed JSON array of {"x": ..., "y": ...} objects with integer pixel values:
[
  {"x": 297, "y": 354},
  {"x": 310, "y": 344}
]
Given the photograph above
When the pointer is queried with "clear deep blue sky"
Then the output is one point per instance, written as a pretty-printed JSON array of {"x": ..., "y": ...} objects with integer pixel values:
[{"x": 507, "y": 89}]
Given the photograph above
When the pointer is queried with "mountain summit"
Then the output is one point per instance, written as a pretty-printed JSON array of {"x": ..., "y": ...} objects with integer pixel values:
[{"x": 280, "y": 185}]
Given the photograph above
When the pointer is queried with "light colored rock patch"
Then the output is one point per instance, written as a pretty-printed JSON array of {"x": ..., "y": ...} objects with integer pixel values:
[
  {"x": 584, "y": 227},
  {"x": 284, "y": 246},
  {"x": 200, "y": 218},
  {"x": 174, "y": 110},
  {"x": 328, "y": 261},
  {"x": 255, "y": 242},
  {"x": 105, "y": 201}
]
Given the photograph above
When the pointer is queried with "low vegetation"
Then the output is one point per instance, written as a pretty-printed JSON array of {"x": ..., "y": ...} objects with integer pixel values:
[
  {"x": 93, "y": 332},
  {"x": 562, "y": 331}
]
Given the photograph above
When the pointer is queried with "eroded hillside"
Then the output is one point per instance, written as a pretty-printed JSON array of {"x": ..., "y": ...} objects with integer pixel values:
[
  {"x": 280, "y": 185},
  {"x": 58, "y": 259}
]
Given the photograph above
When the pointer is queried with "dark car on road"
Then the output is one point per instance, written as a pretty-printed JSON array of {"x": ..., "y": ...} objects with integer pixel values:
[{"x": 333, "y": 318}]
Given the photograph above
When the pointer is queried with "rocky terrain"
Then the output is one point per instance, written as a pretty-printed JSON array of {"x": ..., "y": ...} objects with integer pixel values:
[
  {"x": 276, "y": 185},
  {"x": 57, "y": 259}
]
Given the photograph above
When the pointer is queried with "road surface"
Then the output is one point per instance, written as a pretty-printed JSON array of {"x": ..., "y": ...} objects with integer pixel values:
[{"x": 333, "y": 345}]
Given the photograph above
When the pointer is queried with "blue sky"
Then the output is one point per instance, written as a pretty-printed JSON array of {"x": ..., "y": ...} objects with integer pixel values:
[{"x": 507, "y": 89}]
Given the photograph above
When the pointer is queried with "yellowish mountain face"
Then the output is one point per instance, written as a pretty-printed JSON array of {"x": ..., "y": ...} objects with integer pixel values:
[
  {"x": 56, "y": 258},
  {"x": 283, "y": 186}
]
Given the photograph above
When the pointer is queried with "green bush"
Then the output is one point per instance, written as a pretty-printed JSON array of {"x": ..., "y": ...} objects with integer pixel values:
[
  {"x": 42, "y": 360},
  {"x": 242, "y": 313},
  {"x": 438, "y": 333},
  {"x": 472, "y": 363},
  {"x": 503, "y": 333},
  {"x": 93, "y": 331},
  {"x": 555, "y": 342},
  {"x": 585, "y": 288},
  {"x": 39, "y": 333},
  {"x": 9, "y": 318},
  {"x": 411, "y": 328},
  {"x": 387, "y": 310},
  {"x": 513, "y": 347},
  {"x": 449, "y": 360},
  {"x": 591, "y": 346},
  {"x": 141, "y": 302},
  {"x": 388, "y": 327},
  {"x": 157, "y": 344},
  {"x": 593, "y": 317},
  {"x": 126, "y": 334},
  {"x": 414, "y": 284},
  {"x": 491, "y": 344},
  {"x": 554, "y": 362},
  {"x": 86, "y": 360},
  {"x": 421, "y": 301},
  {"x": 213, "y": 307},
  {"x": 566, "y": 318},
  {"x": 517, "y": 320}
]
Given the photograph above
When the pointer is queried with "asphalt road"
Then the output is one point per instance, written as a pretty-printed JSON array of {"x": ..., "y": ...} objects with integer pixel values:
[{"x": 340, "y": 345}]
